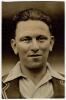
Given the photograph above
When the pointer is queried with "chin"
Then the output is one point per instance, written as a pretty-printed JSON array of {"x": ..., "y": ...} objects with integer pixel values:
[{"x": 35, "y": 65}]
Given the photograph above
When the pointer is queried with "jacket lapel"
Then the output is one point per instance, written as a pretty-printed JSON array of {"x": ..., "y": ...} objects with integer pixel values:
[
  {"x": 58, "y": 86},
  {"x": 11, "y": 90}
]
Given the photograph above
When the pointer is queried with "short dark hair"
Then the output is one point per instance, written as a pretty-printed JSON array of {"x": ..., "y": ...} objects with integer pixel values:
[{"x": 33, "y": 14}]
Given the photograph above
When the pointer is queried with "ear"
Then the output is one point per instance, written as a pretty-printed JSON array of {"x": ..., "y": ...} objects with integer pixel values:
[
  {"x": 13, "y": 45},
  {"x": 51, "y": 43}
]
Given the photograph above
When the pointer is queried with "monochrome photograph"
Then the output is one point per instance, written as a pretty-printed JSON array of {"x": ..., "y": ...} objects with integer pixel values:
[{"x": 33, "y": 34}]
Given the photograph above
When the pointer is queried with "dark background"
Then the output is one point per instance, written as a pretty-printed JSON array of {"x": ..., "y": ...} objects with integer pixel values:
[{"x": 55, "y": 10}]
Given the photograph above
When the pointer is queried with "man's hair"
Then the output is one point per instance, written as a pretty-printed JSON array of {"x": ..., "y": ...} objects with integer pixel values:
[{"x": 32, "y": 14}]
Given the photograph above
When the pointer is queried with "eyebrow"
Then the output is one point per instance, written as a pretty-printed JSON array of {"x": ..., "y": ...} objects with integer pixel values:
[
  {"x": 29, "y": 37},
  {"x": 25, "y": 37},
  {"x": 41, "y": 36}
]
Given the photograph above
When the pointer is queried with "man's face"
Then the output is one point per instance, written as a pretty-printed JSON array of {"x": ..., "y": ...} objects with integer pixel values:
[{"x": 33, "y": 43}]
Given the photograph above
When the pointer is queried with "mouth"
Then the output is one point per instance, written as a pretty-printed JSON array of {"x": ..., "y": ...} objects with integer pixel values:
[{"x": 35, "y": 55}]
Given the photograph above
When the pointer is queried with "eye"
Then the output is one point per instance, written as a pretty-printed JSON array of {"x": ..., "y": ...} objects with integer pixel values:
[
  {"x": 41, "y": 38},
  {"x": 25, "y": 39}
]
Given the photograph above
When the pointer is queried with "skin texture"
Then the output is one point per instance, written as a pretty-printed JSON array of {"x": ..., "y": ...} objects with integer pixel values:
[{"x": 32, "y": 43}]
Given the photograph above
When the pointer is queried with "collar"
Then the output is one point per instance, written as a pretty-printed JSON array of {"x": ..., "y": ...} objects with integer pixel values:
[{"x": 16, "y": 72}]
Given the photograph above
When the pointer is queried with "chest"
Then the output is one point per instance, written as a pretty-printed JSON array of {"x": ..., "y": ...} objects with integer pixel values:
[{"x": 13, "y": 91}]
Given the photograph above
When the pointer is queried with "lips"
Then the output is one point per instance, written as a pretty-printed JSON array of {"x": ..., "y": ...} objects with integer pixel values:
[{"x": 34, "y": 55}]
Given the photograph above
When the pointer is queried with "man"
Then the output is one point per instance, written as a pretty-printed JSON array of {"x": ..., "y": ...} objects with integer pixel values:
[{"x": 32, "y": 76}]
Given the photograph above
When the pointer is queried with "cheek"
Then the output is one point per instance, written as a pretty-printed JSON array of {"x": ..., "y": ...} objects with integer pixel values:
[
  {"x": 45, "y": 46},
  {"x": 45, "y": 50},
  {"x": 22, "y": 49}
]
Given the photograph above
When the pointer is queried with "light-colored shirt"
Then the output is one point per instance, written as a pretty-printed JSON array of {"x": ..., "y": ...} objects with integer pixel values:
[{"x": 44, "y": 89}]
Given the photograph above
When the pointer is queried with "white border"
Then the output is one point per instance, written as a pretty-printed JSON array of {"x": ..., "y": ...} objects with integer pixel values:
[
  {"x": 31, "y": 0},
  {"x": 1, "y": 41},
  {"x": 0, "y": 48},
  {"x": 65, "y": 49}
]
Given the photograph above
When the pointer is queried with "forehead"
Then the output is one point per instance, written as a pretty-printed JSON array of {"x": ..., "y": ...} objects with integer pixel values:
[{"x": 35, "y": 26}]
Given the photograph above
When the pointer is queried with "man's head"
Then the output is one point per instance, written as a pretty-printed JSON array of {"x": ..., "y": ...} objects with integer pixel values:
[{"x": 33, "y": 38}]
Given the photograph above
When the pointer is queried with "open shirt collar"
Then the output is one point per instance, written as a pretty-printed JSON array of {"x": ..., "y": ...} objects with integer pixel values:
[{"x": 16, "y": 72}]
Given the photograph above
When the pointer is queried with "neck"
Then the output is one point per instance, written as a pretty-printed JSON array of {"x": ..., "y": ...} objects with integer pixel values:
[{"x": 35, "y": 74}]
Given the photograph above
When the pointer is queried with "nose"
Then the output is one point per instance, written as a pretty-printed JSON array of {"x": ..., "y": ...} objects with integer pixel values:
[{"x": 35, "y": 46}]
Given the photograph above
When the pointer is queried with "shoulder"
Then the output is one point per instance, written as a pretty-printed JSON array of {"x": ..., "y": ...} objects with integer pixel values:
[
  {"x": 8, "y": 82},
  {"x": 4, "y": 77},
  {"x": 58, "y": 85},
  {"x": 4, "y": 86},
  {"x": 60, "y": 80},
  {"x": 9, "y": 88}
]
